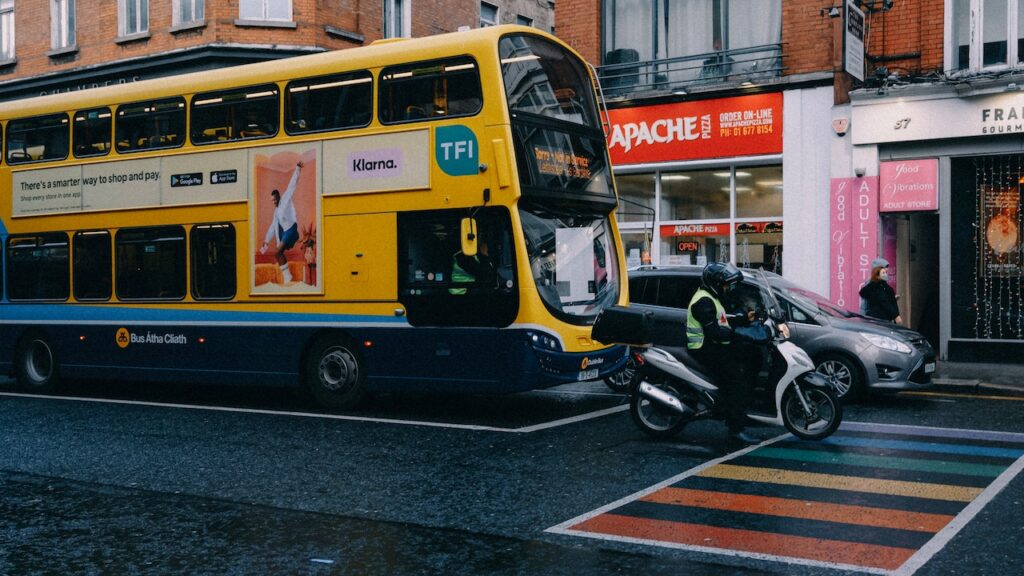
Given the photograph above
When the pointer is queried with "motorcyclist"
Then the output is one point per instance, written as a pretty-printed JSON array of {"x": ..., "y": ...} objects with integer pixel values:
[{"x": 721, "y": 343}]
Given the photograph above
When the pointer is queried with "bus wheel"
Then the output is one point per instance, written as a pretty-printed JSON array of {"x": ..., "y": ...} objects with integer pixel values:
[
  {"x": 335, "y": 374},
  {"x": 36, "y": 364}
]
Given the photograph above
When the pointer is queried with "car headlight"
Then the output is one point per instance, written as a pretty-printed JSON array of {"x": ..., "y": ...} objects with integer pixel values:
[{"x": 887, "y": 343}]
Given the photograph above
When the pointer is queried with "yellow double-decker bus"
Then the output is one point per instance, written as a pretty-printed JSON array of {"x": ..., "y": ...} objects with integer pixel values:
[{"x": 429, "y": 214}]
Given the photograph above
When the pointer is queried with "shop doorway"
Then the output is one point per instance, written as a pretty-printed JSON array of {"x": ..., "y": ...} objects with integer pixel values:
[{"x": 912, "y": 247}]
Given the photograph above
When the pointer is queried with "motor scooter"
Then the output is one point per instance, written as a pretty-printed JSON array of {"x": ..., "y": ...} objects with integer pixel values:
[{"x": 674, "y": 389}]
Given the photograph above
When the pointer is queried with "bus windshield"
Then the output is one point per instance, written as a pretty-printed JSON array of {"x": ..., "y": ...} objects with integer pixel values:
[
  {"x": 559, "y": 143},
  {"x": 572, "y": 258}
]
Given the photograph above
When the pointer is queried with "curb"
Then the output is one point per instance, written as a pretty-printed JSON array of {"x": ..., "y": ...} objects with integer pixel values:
[{"x": 974, "y": 384}]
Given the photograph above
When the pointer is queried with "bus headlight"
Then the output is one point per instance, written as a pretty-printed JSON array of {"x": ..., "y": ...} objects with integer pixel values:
[
  {"x": 541, "y": 340},
  {"x": 886, "y": 343}
]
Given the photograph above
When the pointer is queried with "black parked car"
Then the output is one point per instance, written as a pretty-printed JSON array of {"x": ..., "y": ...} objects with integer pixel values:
[{"x": 858, "y": 353}]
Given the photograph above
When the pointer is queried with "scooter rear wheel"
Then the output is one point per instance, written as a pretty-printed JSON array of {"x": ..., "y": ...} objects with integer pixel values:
[
  {"x": 824, "y": 418},
  {"x": 654, "y": 419}
]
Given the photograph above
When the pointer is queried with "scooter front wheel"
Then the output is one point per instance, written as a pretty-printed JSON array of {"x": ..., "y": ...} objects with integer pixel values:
[
  {"x": 821, "y": 417},
  {"x": 656, "y": 420}
]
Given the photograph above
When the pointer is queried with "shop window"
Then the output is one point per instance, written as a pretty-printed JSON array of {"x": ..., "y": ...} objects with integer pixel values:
[
  {"x": 38, "y": 138},
  {"x": 999, "y": 38},
  {"x": 91, "y": 132},
  {"x": 149, "y": 125},
  {"x": 440, "y": 286},
  {"x": 238, "y": 114},
  {"x": 636, "y": 197},
  {"x": 214, "y": 274},
  {"x": 151, "y": 263},
  {"x": 759, "y": 192},
  {"x": 696, "y": 195},
  {"x": 92, "y": 265},
  {"x": 987, "y": 219},
  {"x": 329, "y": 102},
  {"x": 428, "y": 90},
  {"x": 38, "y": 267}
]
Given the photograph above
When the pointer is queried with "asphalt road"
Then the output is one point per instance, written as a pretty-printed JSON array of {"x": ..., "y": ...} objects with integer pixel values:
[{"x": 174, "y": 479}]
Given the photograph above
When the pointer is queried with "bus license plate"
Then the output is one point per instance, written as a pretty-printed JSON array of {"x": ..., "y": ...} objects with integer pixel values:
[
  {"x": 929, "y": 368},
  {"x": 587, "y": 375}
]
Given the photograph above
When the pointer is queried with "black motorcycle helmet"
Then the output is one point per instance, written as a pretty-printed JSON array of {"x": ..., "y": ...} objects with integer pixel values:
[{"x": 719, "y": 277}]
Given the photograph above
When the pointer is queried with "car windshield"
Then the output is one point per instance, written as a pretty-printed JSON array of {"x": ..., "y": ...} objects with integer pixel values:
[
  {"x": 810, "y": 299},
  {"x": 573, "y": 262}
]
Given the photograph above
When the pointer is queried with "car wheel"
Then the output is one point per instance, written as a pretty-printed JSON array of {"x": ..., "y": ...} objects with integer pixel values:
[
  {"x": 843, "y": 373},
  {"x": 621, "y": 380},
  {"x": 36, "y": 364},
  {"x": 335, "y": 374}
]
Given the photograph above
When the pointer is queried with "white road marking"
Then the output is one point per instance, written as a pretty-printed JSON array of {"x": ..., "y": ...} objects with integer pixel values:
[{"x": 474, "y": 427}]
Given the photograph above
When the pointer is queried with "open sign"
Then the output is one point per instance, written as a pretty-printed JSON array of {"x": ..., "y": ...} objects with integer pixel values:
[{"x": 688, "y": 246}]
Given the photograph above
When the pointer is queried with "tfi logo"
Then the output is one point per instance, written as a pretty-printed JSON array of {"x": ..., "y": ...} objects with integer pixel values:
[{"x": 457, "y": 151}]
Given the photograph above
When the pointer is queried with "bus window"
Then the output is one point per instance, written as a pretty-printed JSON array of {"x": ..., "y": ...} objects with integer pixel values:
[
  {"x": 426, "y": 90},
  {"x": 91, "y": 265},
  {"x": 235, "y": 114},
  {"x": 544, "y": 79},
  {"x": 213, "y": 262},
  {"x": 149, "y": 125},
  {"x": 151, "y": 263},
  {"x": 329, "y": 102},
  {"x": 440, "y": 286},
  {"x": 90, "y": 132},
  {"x": 37, "y": 267},
  {"x": 38, "y": 138}
]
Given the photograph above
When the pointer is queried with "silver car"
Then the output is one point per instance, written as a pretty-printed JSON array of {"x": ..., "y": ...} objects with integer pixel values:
[{"x": 859, "y": 354}]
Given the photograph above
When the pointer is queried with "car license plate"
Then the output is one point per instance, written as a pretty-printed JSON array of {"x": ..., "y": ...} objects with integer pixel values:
[
  {"x": 929, "y": 368},
  {"x": 587, "y": 375}
]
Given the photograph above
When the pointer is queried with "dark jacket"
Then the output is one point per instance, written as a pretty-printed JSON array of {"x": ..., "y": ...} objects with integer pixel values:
[{"x": 880, "y": 300}]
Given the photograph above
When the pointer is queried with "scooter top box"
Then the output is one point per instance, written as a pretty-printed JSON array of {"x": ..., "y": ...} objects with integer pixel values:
[{"x": 621, "y": 325}]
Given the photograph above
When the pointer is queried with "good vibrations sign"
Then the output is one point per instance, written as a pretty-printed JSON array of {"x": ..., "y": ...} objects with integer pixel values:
[
  {"x": 740, "y": 126},
  {"x": 909, "y": 185},
  {"x": 854, "y": 237}
]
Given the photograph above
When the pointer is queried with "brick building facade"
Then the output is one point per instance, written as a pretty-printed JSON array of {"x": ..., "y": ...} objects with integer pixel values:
[{"x": 101, "y": 54}]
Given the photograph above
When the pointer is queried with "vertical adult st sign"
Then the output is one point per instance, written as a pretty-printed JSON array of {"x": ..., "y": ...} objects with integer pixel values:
[
  {"x": 853, "y": 40},
  {"x": 854, "y": 237}
]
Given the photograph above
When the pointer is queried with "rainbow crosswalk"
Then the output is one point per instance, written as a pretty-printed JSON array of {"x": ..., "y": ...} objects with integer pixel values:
[{"x": 874, "y": 498}]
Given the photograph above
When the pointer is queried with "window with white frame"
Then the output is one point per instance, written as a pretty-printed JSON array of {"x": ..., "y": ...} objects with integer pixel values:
[
  {"x": 397, "y": 18},
  {"x": 265, "y": 10},
  {"x": 133, "y": 16},
  {"x": 6, "y": 29},
  {"x": 726, "y": 30},
  {"x": 997, "y": 40},
  {"x": 488, "y": 15},
  {"x": 62, "y": 24},
  {"x": 186, "y": 11}
]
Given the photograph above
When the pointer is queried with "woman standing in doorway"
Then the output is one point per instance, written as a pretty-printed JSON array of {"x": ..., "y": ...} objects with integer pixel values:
[{"x": 879, "y": 297}]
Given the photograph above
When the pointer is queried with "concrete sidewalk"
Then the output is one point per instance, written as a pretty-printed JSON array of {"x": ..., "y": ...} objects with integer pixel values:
[{"x": 975, "y": 375}]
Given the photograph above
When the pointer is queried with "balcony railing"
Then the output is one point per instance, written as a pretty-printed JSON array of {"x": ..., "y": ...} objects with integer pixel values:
[{"x": 623, "y": 73}]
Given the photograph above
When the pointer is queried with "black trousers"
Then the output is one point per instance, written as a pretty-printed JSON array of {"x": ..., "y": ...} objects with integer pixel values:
[{"x": 734, "y": 368}]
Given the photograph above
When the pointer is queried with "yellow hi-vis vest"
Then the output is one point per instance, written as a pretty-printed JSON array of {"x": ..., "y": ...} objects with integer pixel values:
[
  {"x": 459, "y": 276},
  {"x": 694, "y": 331}
]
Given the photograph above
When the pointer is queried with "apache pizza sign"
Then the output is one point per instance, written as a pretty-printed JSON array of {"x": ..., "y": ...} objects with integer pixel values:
[{"x": 724, "y": 127}]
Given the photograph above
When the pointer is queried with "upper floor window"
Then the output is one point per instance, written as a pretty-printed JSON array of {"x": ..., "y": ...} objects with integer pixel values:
[
  {"x": 397, "y": 19},
  {"x": 488, "y": 15},
  {"x": 150, "y": 124},
  {"x": 427, "y": 90},
  {"x": 62, "y": 24},
  {"x": 723, "y": 38},
  {"x": 265, "y": 10},
  {"x": 6, "y": 29},
  {"x": 37, "y": 138},
  {"x": 329, "y": 102},
  {"x": 132, "y": 16},
  {"x": 90, "y": 132},
  {"x": 998, "y": 34},
  {"x": 235, "y": 114},
  {"x": 524, "y": 21},
  {"x": 186, "y": 11}
]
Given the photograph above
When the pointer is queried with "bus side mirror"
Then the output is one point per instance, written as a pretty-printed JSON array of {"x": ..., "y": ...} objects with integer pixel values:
[{"x": 468, "y": 236}]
